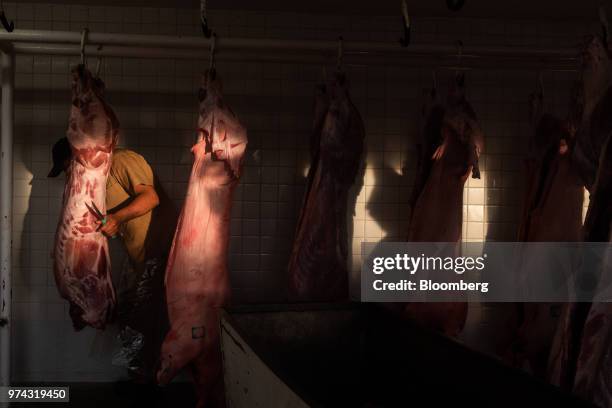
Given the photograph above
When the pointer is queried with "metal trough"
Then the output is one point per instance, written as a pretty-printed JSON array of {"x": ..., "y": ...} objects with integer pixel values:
[{"x": 360, "y": 356}]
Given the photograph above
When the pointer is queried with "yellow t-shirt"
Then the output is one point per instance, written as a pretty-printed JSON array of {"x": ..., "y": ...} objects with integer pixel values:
[{"x": 129, "y": 169}]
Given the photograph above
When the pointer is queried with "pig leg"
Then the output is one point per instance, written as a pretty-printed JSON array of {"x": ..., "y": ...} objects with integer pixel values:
[
  {"x": 207, "y": 373},
  {"x": 189, "y": 337}
]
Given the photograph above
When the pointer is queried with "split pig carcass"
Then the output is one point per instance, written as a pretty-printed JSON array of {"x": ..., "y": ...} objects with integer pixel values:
[
  {"x": 452, "y": 142},
  {"x": 81, "y": 262},
  {"x": 581, "y": 354},
  {"x": 317, "y": 264},
  {"x": 552, "y": 212},
  {"x": 197, "y": 281},
  {"x": 554, "y": 192}
]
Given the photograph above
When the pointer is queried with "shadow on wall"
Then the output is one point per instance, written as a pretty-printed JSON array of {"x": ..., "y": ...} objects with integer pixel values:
[
  {"x": 504, "y": 179},
  {"x": 384, "y": 204},
  {"x": 394, "y": 174},
  {"x": 28, "y": 275},
  {"x": 351, "y": 205}
]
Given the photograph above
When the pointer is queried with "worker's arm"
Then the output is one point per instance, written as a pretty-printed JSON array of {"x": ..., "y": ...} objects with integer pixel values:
[{"x": 145, "y": 200}]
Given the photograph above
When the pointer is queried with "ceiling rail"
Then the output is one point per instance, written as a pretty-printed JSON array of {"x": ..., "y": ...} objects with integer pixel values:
[{"x": 179, "y": 44}]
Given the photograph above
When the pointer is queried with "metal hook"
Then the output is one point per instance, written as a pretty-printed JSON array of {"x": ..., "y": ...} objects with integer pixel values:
[
  {"x": 98, "y": 65},
  {"x": 205, "y": 28},
  {"x": 406, "y": 23},
  {"x": 83, "y": 41},
  {"x": 460, "y": 79},
  {"x": 8, "y": 26},
  {"x": 340, "y": 53},
  {"x": 434, "y": 83},
  {"x": 540, "y": 84},
  {"x": 213, "y": 44},
  {"x": 455, "y": 5},
  {"x": 459, "y": 45},
  {"x": 603, "y": 19}
]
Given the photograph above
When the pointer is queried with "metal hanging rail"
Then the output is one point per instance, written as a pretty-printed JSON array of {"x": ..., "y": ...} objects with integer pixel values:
[{"x": 176, "y": 47}]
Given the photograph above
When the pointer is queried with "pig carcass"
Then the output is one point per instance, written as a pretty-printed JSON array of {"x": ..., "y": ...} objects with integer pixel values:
[
  {"x": 588, "y": 348},
  {"x": 317, "y": 265},
  {"x": 554, "y": 192},
  {"x": 81, "y": 262},
  {"x": 552, "y": 212},
  {"x": 197, "y": 281},
  {"x": 598, "y": 221},
  {"x": 452, "y": 142},
  {"x": 581, "y": 357}
]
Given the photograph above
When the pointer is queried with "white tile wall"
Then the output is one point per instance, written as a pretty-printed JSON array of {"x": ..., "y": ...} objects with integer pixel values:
[{"x": 156, "y": 103}]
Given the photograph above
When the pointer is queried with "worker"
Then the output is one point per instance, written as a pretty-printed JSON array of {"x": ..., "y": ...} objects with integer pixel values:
[{"x": 143, "y": 217}]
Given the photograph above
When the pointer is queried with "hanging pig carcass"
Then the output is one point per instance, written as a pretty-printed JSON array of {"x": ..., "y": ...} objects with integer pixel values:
[
  {"x": 452, "y": 142},
  {"x": 552, "y": 212},
  {"x": 581, "y": 354},
  {"x": 81, "y": 262},
  {"x": 197, "y": 281},
  {"x": 317, "y": 265},
  {"x": 581, "y": 357},
  {"x": 594, "y": 365},
  {"x": 554, "y": 192}
]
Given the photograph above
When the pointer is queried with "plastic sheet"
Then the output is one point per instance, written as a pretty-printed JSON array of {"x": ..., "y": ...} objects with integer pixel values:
[
  {"x": 141, "y": 318},
  {"x": 131, "y": 344}
]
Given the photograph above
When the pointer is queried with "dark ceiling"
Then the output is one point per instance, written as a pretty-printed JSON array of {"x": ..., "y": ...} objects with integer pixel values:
[{"x": 524, "y": 9}]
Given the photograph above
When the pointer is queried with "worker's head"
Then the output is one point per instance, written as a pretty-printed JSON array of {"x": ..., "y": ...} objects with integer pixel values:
[{"x": 61, "y": 157}]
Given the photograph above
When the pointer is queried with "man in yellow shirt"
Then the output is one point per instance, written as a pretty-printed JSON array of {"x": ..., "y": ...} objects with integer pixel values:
[{"x": 142, "y": 215}]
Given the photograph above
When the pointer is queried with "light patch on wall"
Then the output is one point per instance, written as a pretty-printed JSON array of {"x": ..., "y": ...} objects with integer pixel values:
[
  {"x": 22, "y": 190},
  {"x": 23, "y": 187},
  {"x": 365, "y": 195},
  {"x": 475, "y": 226},
  {"x": 585, "y": 206},
  {"x": 20, "y": 169}
]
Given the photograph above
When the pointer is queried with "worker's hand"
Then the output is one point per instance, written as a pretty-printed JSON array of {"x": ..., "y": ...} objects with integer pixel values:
[{"x": 111, "y": 227}]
